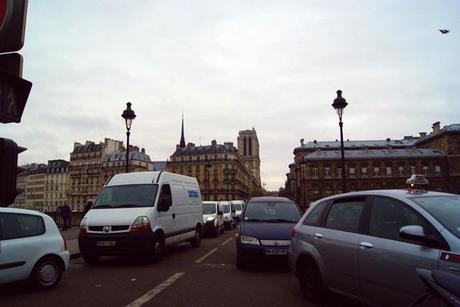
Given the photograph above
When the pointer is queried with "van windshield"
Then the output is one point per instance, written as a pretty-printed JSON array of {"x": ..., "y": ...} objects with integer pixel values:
[
  {"x": 237, "y": 207},
  {"x": 226, "y": 208},
  {"x": 127, "y": 196},
  {"x": 209, "y": 208}
]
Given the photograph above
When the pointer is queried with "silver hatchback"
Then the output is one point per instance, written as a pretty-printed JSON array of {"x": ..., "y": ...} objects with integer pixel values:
[{"x": 368, "y": 244}]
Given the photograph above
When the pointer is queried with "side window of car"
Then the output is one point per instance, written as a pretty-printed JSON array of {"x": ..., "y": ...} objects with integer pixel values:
[
  {"x": 313, "y": 218},
  {"x": 15, "y": 226},
  {"x": 345, "y": 215},
  {"x": 389, "y": 215}
]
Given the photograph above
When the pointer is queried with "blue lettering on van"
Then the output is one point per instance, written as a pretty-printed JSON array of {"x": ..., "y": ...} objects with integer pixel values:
[{"x": 192, "y": 193}]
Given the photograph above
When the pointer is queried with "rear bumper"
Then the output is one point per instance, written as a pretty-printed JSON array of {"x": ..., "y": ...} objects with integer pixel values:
[{"x": 115, "y": 244}]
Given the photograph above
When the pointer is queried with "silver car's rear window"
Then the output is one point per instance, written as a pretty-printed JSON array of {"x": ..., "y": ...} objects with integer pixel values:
[{"x": 445, "y": 209}]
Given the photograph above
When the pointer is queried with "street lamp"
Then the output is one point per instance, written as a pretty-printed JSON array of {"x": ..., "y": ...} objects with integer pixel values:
[
  {"x": 339, "y": 105},
  {"x": 128, "y": 115}
]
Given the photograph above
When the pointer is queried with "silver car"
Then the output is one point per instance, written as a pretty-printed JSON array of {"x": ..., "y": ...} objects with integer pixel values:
[{"x": 368, "y": 244}]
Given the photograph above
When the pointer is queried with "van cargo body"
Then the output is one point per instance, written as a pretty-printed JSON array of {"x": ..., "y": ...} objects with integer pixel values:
[{"x": 142, "y": 213}]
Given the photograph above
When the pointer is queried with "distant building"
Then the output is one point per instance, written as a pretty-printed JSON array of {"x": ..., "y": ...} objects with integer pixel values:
[
  {"x": 57, "y": 184},
  {"x": 24, "y": 181},
  {"x": 86, "y": 162},
  {"x": 248, "y": 147},
  {"x": 220, "y": 170},
  {"x": 35, "y": 188},
  {"x": 115, "y": 162},
  {"x": 375, "y": 164}
]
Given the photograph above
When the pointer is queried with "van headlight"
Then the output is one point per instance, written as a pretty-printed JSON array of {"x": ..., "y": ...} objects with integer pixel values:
[
  {"x": 210, "y": 219},
  {"x": 83, "y": 226},
  {"x": 249, "y": 240},
  {"x": 141, "y": 224}
]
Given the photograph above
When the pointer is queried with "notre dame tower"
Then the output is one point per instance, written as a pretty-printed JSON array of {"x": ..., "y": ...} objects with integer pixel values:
[{"x": 248, "y": 147}]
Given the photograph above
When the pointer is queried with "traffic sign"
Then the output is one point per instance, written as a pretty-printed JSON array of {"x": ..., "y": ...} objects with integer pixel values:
[
  {"x": 12, "y": 24},
  {"x": 14, "y": 92}
]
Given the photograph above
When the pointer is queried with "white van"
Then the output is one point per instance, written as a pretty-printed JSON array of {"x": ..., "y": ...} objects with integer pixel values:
[
  {"x": 213, "y": 218},
  {"x": 237, "y": 207},
  {"x": 229, "y": 221},
  {"x": 142, "y": 212}
]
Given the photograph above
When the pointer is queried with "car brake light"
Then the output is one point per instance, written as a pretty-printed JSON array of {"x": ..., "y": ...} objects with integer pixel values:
[{"x": 140, "y": 225}]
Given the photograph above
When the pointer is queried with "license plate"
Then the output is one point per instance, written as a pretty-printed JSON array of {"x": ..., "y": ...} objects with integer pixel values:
[
  {"x": 106, "y": 243},
  {"x": 276, "y": 251}
]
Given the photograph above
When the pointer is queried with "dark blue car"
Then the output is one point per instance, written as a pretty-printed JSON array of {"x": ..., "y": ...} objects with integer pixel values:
[{"x": 265, "y": 230}]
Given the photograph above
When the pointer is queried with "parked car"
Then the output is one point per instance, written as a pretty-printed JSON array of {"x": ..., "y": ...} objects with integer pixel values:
[
  {"x": 142, "y": 213},
  {"x": 213, "y": 218},
  {"x": 229, "y": 220},
  {"x": 31, "y": 247},
  {"x": 369, "y": 244},
  {"x": 237, "y": 207},
  {"x": 265, "y": 230}
]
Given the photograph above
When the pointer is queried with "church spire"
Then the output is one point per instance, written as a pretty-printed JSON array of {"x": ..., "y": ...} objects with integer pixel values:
[{"x": 182, "y": 138}]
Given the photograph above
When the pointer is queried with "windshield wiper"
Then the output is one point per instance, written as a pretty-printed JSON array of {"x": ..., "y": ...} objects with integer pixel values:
[
  {"x": 253, "y": 220},
  {"x": 102, "y": 206},
  {"x": 279, "y": 221},
  {"x": 127, "y": 206}
]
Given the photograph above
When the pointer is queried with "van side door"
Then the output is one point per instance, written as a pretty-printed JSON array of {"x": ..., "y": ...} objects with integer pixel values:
[{"x": 166, "y": 215}]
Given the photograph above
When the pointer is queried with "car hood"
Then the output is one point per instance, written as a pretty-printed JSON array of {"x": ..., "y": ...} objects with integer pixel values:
[
  {"x": 121, "y": 216},
  {"x": 267, "y": 231}
]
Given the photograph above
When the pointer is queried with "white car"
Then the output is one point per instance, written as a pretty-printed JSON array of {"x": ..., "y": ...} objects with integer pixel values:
[
  {"x": 229, "y": 221},
  {"x": 213, "y": 219},
  {"x": 237, "y": 207},
  {"x": 31, "y": 247}
]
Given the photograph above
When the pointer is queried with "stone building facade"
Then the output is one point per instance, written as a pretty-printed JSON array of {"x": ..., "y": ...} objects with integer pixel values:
[
  {"x": 219, "y": 168},
  {"x": 374, "y": 164},
  {"x": 115, "y": 162},
  {"x": 35, "y": 188},
  {"x": 57, "y": 184},
  {"x": 85, "y": 168}
]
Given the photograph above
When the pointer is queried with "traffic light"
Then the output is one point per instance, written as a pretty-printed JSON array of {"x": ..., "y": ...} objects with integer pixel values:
[{"x": 9, "y": 151}]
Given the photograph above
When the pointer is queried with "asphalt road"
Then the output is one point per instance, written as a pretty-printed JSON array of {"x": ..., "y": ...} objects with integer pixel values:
[{"x": 204, "y": 276}]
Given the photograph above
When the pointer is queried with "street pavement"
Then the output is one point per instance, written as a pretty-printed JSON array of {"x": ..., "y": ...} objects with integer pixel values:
[
  {"x": 71, "y": 237},
  {"x": 187, "y": 276}
]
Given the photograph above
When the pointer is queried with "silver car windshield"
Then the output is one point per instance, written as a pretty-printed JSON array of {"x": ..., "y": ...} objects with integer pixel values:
[
  {"x": 209, "y": 208},
  {"x": 272, "y": 212},
  {"x": 127, "y": 196},
  {"x": 446, "y": 209}
]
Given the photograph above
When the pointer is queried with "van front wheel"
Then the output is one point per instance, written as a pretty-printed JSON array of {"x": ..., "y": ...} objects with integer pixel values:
[
  {"x": 196, "y": 241},
  {"x": 158, "y": 248}
]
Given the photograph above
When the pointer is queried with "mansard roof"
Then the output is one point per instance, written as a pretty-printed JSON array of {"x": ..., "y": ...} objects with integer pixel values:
[
  {"x": 374, "y": 154},
  {"x": 207, "y": 149},
  {"x": 120, "y": 155},
  {"x": 454, "y": 128}
]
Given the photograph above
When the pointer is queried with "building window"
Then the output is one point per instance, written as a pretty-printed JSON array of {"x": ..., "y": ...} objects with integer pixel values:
[
  {"x": 327, "y": 172},
  {"x": 425, "y": 170},
  {"x": 315, "y": 172},
  {"x": 364, "y": 171},
  {"x": 401, "y": 171},
  {"x": 352, "y": 171},
  {"x": 339, "y": 172},
  {"x": 437, "y": 169},
  {"x": 376, "y": 171},
  {"x": 412, "y": 170},
  {"x": 388, "y": 170}
]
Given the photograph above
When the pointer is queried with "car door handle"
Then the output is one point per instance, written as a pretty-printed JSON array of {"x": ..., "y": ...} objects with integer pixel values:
[
  {"x": 453, "y": 269},
  {"x": 366, "y": 245},
  {"x": 174, "y": 215},
  {"x": 318, "y": 236}
]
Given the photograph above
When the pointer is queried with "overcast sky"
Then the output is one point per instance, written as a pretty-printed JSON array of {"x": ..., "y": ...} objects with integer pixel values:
[{"x": 234, "y": 65}]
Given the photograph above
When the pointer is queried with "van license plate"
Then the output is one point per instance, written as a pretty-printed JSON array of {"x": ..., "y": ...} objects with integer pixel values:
[
  {"x": 106, "y": 243},
  {"x": 276, "y": 251}
]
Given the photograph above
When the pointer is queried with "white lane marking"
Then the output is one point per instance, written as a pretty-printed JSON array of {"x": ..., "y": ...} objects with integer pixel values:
[
  {"x": 206, "y": 256},
  {"x": 155, "y": 291},
  {"x": 226, "y": 241}
]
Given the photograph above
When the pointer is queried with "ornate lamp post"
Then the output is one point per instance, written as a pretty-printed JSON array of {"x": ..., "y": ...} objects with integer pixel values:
[
  {"x": 339, "y": 105},
  {"x": 128, "y": 115}
]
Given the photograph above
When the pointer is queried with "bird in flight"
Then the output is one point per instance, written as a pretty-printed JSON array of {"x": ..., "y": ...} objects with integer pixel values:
[{"x": 444, "y": 31}]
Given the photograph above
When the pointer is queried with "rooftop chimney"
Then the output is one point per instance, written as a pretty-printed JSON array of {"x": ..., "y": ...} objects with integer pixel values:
[
  {"x": 436, "y": 127},
  {"x": 422, "y": 134},
  {"x": 213, "y": 142},
  {"x": 143, "y": 150}
]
